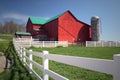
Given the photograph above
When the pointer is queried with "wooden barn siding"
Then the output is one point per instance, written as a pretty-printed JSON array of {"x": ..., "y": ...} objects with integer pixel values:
[
  {"x": 30, "y": 28},
  {"x": 72, "y": 30},
  {"x": 36, "y": 26},
  {"x": 38, "y": 32},
  {"x": 52, "y": 29},
  {"x": 90, "y": 33}
]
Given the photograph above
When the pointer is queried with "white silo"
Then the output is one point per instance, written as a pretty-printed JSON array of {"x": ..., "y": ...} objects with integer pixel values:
[{"x": 95, "y": 23}]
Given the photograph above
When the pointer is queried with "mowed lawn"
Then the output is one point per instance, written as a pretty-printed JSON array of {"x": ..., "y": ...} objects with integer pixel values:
[
  {"x": 4, "y": 41},
  {"x": 75, "y": 73}
]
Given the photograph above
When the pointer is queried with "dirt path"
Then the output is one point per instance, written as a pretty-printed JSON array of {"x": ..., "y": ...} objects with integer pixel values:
[{"x": 4, "y": 64}]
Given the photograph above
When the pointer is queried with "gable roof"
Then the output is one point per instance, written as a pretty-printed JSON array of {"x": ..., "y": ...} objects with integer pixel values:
[
  {"x": 55, "y": 17},
  {"x": 42, "y": 21},
  {"x": 77, "y": 19}
]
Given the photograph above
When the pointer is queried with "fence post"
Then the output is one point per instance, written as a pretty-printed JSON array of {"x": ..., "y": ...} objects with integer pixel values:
[
  {"x": 30, "y": 63},
  {"x": 116, "y": 75},
  {"x": 116, "y": 44},
  {"x": 24, "y": 55},
  {"x": 55, "y": 43},
  {"x": 86, "y": 43},
  {"x": 30, "y": 41},
  {"x": 95, "y": 43},
  {"x": 45, "y": 65},
  {"x": 67, "y": 44},
  {"x": 21, "y": 53},
  {"x": 43, "y": 44},
  {"x": 109, "y": 44},
  {"x": 102, "y": 43}
]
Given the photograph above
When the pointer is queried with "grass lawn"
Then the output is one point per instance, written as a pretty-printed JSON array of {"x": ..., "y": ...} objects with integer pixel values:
[
  {"x": 6, "y": 36},
  {"x": 93, "y": 52},
  {"x": 75, "y": 73},
  {"x": 4, "y": 41}
]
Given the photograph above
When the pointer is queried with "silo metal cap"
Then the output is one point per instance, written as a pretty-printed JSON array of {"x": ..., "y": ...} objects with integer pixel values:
[{"x": 94, "y": 18}]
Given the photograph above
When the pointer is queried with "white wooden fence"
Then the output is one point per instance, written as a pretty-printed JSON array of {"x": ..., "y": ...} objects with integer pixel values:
[
  {"x": 102, "y": 43},
  {"x": 102, "y": 65},
  {"x": 28, "y": 42}
]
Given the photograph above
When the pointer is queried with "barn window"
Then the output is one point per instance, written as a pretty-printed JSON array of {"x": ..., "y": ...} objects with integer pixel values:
[
  {"x": 39, "y": 29},
  {"x": 36, "y": 29}
]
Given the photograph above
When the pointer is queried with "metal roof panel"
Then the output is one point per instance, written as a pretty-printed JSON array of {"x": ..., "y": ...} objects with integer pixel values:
[{"x": 22, "y": 33}]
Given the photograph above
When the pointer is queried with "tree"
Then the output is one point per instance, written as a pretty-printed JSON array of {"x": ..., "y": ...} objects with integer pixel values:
[
  {"x": 11, "y": 27},
  {"x": 1, "y": 28}
]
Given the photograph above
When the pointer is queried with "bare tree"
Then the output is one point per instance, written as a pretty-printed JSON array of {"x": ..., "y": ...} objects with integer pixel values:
[{"x": 11, "y": 27}]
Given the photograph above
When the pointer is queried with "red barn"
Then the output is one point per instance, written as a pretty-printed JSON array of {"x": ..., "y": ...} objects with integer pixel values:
[{"x": 63, "y": 27}]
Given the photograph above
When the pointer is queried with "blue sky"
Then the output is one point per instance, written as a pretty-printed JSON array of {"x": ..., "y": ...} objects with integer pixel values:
[{"x": 83, "y": 10}]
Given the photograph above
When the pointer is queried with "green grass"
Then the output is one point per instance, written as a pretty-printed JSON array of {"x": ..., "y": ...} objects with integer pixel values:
[
  {"x": 75, "y": 73},
  {"x": 93, "y": 52},
  {"x": 4, "y": 41},
  {"x": 6, "y": 36},
  {"x": 17, "y": 71}
]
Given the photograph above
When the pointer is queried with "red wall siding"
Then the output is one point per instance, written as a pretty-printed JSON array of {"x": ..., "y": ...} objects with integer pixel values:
[
  {"x": 36, "y": 26},
  {"x": 71, "y": 29},
  {"x": 35, "y": 33},
  {"x": 52, "y": 29},
  {"x": 90, "y": 33},
  {"x": 30, "y": 28}
]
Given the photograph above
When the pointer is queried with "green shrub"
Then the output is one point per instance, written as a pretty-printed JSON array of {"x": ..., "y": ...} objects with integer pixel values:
[
  {"x": 4, "y": 74},
  {"x": 16, "y": 76}
]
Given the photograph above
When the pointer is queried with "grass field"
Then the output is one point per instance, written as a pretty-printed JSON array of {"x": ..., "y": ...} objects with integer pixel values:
[
  {"x": 18, "y": 72},
  {"x": 4, "y": 41},
  {"x": 93, "y": 52},
  {"x": 75, "y": 73}
]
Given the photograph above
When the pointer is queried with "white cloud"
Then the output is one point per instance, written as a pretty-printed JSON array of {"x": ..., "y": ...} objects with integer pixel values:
[
  {"x": 15, "y": 16},
  {"x": 18, "y": 16}
]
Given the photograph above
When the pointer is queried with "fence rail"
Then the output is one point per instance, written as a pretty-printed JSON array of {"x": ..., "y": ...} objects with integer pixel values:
[
  {"x": 102, "y": 65},
  {"x": 27, "y": 42},
  {"x": 102, "y": 43}
]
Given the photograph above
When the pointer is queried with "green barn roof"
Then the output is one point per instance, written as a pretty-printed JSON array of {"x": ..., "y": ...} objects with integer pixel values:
[
  {"x": 53, "y": 18},
  {"x": 22, "y": 33},
  {"x": 43, "y": 21},
  {"x": 38, "y": 20}
]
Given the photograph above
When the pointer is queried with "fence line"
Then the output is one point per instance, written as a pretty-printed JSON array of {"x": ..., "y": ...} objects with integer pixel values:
[
  {"x": 27, "y": 42},
  {"x": 102, "y": 65},
  {"x": 44, "y": 68},
  {"x": 102, "y": 43}
]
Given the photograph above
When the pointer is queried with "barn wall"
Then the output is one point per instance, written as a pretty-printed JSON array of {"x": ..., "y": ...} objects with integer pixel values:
[
  {"x": 72, "y": 30},
  {"x": 65, "y": 28},
  {"x": 31, "y": 29},
  {"x": 38, "y": 32},
  {"x": 90, "y": 33},
  {"x": 36, "y": 26},
  {"x": 52, "y": 30}
]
